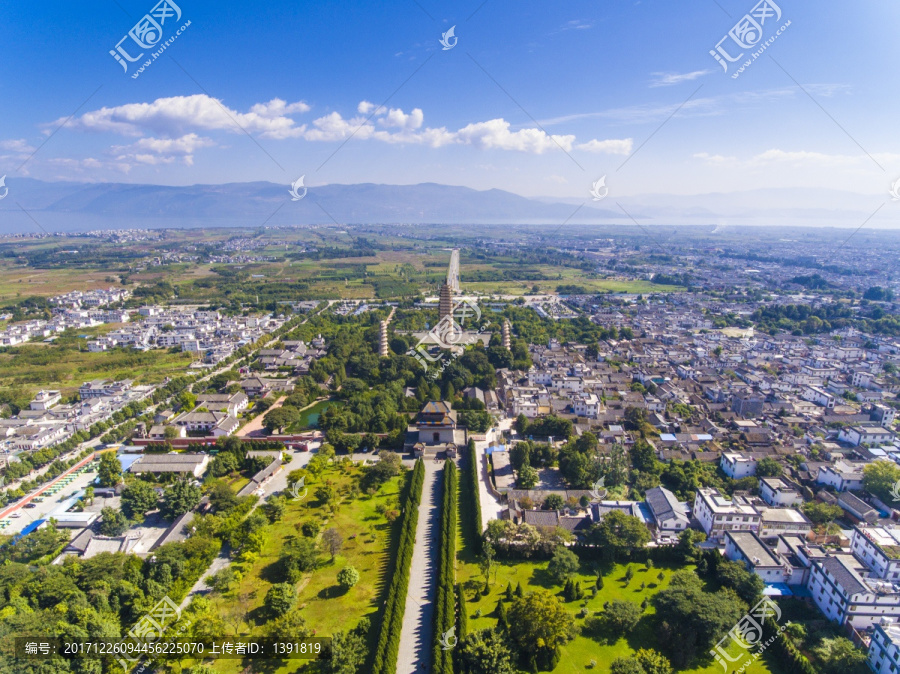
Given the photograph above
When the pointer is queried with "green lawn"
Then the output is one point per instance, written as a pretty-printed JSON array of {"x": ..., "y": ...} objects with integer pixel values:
[
  {"x": 326, "y": 608},
  {"x": 577, "y": 654}
]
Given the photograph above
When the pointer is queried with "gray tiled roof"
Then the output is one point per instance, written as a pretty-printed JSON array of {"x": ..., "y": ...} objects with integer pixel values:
[
  {"x": 663, "y": 504},
  {"x": 844, "y": 574},
  {"x": 541, "y": 518}
]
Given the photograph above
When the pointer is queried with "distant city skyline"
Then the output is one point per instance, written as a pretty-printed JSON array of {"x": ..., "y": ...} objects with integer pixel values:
[{"x": 540, "y": 100}]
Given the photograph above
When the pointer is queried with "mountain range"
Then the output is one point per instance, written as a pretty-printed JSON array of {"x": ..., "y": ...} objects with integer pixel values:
[{"x": 70, "y": 206}]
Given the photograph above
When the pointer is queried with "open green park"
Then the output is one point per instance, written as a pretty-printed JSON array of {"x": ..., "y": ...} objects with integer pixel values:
[
  {"x": 333, "y": 502},
  {"x": 577, "y": 654}
]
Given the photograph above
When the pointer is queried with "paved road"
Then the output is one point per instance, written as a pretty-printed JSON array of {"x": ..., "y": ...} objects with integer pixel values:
[{"x": 417, "y": 637}]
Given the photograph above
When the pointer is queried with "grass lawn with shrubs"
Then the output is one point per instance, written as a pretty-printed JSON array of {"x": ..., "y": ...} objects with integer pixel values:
[
  {"x": 324, "y": 605},
  {"x": 578, "y": 654}
]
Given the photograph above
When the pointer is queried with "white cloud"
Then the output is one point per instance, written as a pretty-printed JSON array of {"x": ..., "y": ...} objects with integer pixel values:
[
  {"x": 19, "y": 146},
  {"x": 277, "y": 107},
  {"x": 797, "y": 158},
  {"x": 803, "y": 157},
  {"x": 77, "y": 165},
  {"x": 185, "y": 145},
  {"x": 333, "y": 127},
  {"x": 669, "y": 79},
  {"x": 430, "y": 137},
  {"x": 167, "y": 129},
  {"x": 495, "y": 133},
  {"x": 175, "y": 116},
  {"x": 15, "y": 150},
  {"x": 646, "y": 113},
  {"x": 398, "y": 119},
  {"x": 155, "y": 151},
  {"x": 575, "y": 24},
  {"x": 714, "y": 158},
  {"x": 611, "y": 146},
  {"x": 653, "y": 113}
]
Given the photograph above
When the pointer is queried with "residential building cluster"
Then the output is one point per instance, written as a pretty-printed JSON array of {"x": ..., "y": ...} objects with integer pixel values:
[
  {"x": 49, "y": 421},
  {"x": 209, "y": 334},
  {"x": 820, "y": 408}
]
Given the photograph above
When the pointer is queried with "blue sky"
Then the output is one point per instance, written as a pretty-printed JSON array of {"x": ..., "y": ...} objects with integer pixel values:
[{"x": 537, "y": 98}]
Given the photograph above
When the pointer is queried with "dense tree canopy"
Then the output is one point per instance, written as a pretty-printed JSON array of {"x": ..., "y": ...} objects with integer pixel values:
[
  {"x": 879, "y": 478},
  {"x": 179, "y": 498},
  {"x": 692, "y": 620}
]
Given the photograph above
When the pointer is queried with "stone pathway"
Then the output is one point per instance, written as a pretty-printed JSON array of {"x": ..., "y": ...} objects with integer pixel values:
[{"x": 416, "y": 639}]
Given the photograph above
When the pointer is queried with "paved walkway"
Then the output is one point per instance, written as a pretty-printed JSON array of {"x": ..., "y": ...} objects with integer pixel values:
[
  {"x": 491, "y": 508},
  {"x": 416, "y": 639},
  {"x": 254, "y": 427}
]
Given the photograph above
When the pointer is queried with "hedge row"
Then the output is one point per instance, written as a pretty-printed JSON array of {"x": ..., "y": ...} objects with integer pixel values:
[
  {"x": 392, "y": 620},
  {"x": 463, "y": 613},
  {"x": 445, "y": 603},
  {"x": 473, "y": 483},
  {"x": 784, "y": 647}
]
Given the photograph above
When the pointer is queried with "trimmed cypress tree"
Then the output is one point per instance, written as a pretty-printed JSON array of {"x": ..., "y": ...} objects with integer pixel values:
[
  {"x": 385, "y": 661},
  {"x": 445, "y": 618},
  {"x": 502, "y": 620},
  {"x": 463, "y": 612}
]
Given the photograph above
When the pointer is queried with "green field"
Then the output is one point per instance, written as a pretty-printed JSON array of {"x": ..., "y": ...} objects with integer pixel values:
[
  {"x": 65, "y": 364},
  {"x": 17, "y": 281},
  {"x": 324, "y": 606},
  {"x": 100, "y": 264},
  {"x": 549, "y": 287},
  {"x": 578, "y": 653}
]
